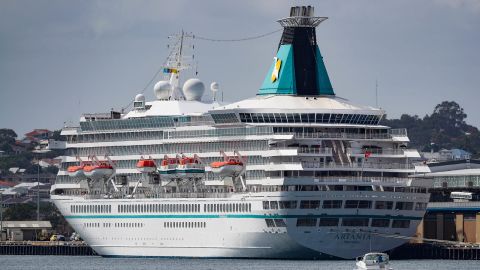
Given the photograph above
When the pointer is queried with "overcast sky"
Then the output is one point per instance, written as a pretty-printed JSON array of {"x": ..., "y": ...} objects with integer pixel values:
[{"x": 59, "y": 59}]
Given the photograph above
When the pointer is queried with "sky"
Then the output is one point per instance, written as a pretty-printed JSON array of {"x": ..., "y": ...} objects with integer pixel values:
[{"x": 59, "y": 59}]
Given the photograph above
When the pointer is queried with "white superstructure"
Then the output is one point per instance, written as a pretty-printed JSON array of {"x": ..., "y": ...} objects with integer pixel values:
[{"x": 295, "y": 172}]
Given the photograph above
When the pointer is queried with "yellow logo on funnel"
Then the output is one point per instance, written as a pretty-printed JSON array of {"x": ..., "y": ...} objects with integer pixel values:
[{"x": 276, "y": 69}]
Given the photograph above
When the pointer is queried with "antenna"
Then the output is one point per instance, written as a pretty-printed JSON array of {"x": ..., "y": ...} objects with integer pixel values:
[{"x": 376, "y": 93}]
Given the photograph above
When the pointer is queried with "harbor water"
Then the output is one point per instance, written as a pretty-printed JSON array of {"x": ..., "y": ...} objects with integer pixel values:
[{"x": 90, "y": 263}]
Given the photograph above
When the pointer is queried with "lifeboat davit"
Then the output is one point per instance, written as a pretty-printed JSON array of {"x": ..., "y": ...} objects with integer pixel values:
[
  {"x": 75, "y": 171},
  {"x": 190, "y": 167},
  {"x": 168, "y": 167},
  {"x": 230, "y": 167},
  {"x": 98, "y": 171},
  {"x": 146, "y": 166}
]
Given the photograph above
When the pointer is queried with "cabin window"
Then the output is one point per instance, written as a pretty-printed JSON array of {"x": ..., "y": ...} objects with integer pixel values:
[
  {"x": 329, "y": 204},
  {"x": 401, "y": 224},
  {"x": 328, "y": 222},
  {"x": 355, "y": 222},
  {"x": 306, "y": 222},
  {"x": 383, "y": 205},
  {"x": 380, "y": 222},
  {"x": 404, "y": 206}
]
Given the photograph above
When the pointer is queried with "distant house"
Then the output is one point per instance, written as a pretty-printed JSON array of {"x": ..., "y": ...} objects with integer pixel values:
[
  {"x": 446, "y": 155},
  {"x": 48, "y": 162},
  {"x": 38, "y": 134},
  {"x": 454, "y": 154}
]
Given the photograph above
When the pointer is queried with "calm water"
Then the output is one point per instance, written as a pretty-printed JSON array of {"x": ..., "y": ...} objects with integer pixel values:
[{"x": 74, "y": 263}]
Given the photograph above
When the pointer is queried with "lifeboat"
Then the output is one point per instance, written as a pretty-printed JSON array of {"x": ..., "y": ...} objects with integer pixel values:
[
  {"x": 98, "y": 171},
  {"x": 75, "y": 171},
  {"x": 230, "y": 167},
  {"x": 168, "y": 167},
  {"x": 146, "y": 165},
  {"x": 191, "y": 167}
]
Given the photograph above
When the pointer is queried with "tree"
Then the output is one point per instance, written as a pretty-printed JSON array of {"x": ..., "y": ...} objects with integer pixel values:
[
  {"x": 7, "y": 134},
  {"x": 22, "y": 211},
  {"x": 444, "y": 128}
]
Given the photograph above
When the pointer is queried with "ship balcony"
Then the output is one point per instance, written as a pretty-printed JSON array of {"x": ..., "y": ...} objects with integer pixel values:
[
  {"x": 383, "y": 153},
  {"x": 298, "y": 151},
  {"x": 338, "y": 180},
  {"x": 398, "y": 135},
  {"x": 333, "y": 166}
]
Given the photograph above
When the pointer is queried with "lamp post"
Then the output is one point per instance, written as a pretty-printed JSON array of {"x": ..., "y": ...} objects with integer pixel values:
[{"x": 1, "y": 216}]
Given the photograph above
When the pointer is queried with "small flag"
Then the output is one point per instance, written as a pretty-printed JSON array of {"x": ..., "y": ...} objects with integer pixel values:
[{"x": 170, "y": 70}]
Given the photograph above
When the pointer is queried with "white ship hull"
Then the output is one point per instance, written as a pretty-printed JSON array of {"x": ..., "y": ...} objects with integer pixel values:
[{"x": 229, "y": 234}]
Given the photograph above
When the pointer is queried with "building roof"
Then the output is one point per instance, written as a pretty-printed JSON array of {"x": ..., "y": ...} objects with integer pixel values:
[
  {"x": 7, "y": 184},
  {"x": 462, "y": 172},
  {"x": 27, "y": 224},
  {"x": 36, "y": 132}
]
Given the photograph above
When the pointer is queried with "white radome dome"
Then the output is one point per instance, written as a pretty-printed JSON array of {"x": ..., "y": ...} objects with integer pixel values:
[
  {"x": 214, "y": 87},
  {"x": 193, "y": 89},
  {"x": 140, "y": 98},
  {"x": 162, "y": 89}
]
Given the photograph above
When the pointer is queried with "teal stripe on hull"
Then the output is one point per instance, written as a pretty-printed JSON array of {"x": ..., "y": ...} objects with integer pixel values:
[{"x": 239, "y": 216}]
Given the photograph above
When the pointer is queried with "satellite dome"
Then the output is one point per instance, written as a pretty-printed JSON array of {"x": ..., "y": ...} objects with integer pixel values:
[
  {"x": 162, "y": 89},
  {"x": 214, "y": 87},
  {"x": 193, "y": 89},
  {"x": 140, "y": 98}
]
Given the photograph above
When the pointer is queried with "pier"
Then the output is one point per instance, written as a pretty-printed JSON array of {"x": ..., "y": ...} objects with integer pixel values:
[
  {"x": 417, "y": 251},
  {"x": 45, "y": 248}
]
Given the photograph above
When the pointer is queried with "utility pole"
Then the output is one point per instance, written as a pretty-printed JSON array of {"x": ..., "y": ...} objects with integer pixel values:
[
  {"x": 38, "y": 190},
  {"x": 1, "y": 216}
]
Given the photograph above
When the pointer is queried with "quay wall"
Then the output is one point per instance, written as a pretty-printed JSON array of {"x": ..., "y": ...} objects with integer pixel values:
[{"x": 45, "y": 248}]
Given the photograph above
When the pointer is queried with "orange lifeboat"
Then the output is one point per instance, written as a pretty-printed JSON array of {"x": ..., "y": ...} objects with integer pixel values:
[
  {"x": 146, "y": 165},
  {"x": 99, "y": 170},
  {"x": 168, "y": 167},
  {"x": 230, "y": 167},
  {"x": 75, "y": 171},
  {"x": 191, "y": 167}
]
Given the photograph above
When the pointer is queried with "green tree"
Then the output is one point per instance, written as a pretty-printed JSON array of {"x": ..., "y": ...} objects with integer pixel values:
[{"x": 24, "y": 211}]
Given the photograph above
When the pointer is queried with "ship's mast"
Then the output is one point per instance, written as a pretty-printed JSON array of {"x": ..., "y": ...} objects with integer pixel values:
[{"x": 178, "y": 60}]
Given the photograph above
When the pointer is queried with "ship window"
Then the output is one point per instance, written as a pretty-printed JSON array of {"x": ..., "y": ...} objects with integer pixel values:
[
  {"x": 269, "y": 222},
  {"x": 280, "y": 222},
  {"x": 404, "y": 206},
  {"x": 266, "y": 205},
  {"x": 380, "y": 222},
  {"x": 328, "y": 204},
  {"x": 290, "y": 118},
  {"x": 281, "y": 118},
  {"x": 288, "y": 204},
  {"x": 296, "y": 118},
  {"x": 306, "y": 222},
  {"x": 358, "y": 204},
  {"x": 401, "y": 224},
  {"x": 328, "y": 222},
  {"x": 355, "y": 222},
  {"x": 420, "y": 206},
  {"x": 310, "y": 204},
  {"x": 383, "y": 205},
  {"x": 273, "y": 205}
]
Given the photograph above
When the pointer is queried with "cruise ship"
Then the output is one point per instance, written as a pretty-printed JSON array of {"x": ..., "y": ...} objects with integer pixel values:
[{"x": 295, "y": 172}]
